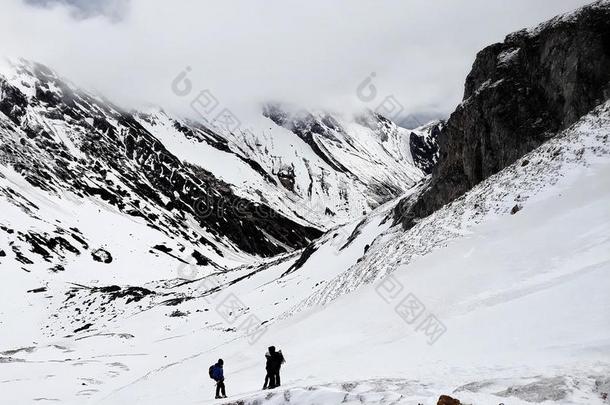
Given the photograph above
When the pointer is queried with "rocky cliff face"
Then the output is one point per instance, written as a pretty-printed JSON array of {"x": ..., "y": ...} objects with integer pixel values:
[{"x": 534, "y": 84}]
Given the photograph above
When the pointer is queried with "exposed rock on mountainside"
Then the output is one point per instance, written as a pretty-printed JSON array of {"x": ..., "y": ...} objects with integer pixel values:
[
  {"x": 423, "y": 143},
  {"x": 520, "y": 92},
  {"x": 447, "y": 400},
  {"x": 101, "y": 255}
]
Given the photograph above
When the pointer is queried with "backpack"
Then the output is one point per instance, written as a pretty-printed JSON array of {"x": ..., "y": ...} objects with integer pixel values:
[{"x": 211, "y": 371}]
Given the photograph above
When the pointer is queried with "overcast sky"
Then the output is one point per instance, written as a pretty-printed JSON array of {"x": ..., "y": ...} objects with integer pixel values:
[{"x": 313, "y": 52}]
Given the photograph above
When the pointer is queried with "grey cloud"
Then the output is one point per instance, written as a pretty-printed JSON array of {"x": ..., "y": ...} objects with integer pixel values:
[
  {"x": 115, "y": 10},
  {"x": 314, "y": 53}
]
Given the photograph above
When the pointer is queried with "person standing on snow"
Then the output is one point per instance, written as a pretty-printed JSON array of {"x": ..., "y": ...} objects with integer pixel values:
[
  {"x": 269, "y": 377},
  {"x": 269, "y": 374},
  {"x": 217, "y": 374},
  {"x": 275, "y": 359}
]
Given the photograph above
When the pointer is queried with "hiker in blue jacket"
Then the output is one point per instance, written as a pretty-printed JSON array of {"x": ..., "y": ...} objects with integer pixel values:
[{"x": 216, "y": 373}]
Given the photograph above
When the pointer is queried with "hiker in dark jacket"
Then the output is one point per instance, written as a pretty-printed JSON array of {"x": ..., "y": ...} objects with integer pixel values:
[
  {"x": 268, "y": 375},
  {"x": 275, "y": 359},
  {"x": 217, "y": 374}
]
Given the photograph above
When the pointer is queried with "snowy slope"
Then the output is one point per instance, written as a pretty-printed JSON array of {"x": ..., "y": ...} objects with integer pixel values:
[{"x": 507, "y": 289}]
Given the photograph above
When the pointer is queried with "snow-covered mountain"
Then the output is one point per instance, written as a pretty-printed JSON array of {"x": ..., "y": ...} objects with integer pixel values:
[
  {"x": 75, "y": 146},
  {"x": 220, "y": 197},
  {"x": 123, "y": 286},
  {"x": 316, "y": 168}
]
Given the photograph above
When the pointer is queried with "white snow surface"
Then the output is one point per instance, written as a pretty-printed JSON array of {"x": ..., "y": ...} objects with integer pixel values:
[{"x": 521, "y": 300}]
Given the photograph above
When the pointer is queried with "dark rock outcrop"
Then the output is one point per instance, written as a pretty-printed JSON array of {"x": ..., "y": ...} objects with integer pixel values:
[
  {"x": 101, "y": 255},
  {"x": 83, "y": 328},
  {"x": 38, "y": 290},
  {"x": 424, "y": 147},
  {"x": 518, "y": 94},
  {"x": 287, "y": 177},
  {"x": 447, "y": 400},
  {"x": 515, "y": 209}
]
